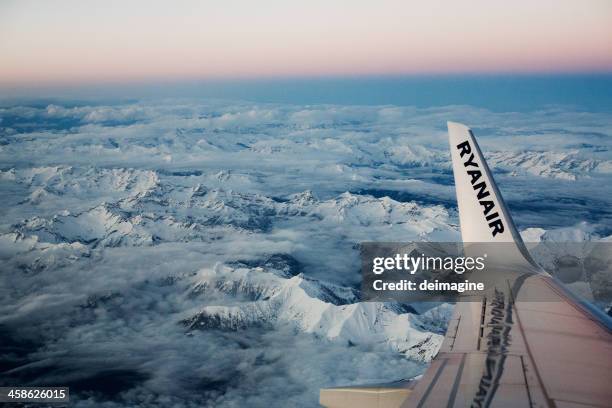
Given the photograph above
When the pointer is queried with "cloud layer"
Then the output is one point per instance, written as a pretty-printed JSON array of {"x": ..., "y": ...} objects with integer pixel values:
[{"x": 189, "y": 253}]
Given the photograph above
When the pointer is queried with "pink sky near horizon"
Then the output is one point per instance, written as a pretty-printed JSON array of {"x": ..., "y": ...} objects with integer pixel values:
[{"x": 68, "y": 41}]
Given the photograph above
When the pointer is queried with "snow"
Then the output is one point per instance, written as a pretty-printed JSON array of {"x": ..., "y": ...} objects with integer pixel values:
[
  {"x": 568, "y": 165},
  {"x": 301, "y": 302}
]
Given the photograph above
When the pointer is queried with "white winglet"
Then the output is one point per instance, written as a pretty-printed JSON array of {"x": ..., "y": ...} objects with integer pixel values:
[{"x": 483, "y": 215}]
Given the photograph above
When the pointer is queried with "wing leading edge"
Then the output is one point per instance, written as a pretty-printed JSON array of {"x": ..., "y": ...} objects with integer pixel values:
[{"x": 507, "y": 350}]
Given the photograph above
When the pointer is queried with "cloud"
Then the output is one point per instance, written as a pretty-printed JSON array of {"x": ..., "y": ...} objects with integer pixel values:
[{"x": 111, "y": 213}]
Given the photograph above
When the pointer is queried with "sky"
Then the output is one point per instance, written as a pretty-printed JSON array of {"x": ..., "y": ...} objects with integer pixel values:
[{"x": 70, "y": 41}]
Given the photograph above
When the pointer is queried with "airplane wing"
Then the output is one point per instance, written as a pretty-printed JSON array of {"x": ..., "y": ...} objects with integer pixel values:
[{"x": 510, "y": 350}]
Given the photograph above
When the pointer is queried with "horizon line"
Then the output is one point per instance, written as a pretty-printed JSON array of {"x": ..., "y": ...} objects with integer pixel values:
[{"x": 165, "y": 80}]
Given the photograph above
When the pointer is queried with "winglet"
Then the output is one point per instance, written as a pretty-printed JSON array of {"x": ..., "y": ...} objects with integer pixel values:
[{"x": 483, "y": 215}]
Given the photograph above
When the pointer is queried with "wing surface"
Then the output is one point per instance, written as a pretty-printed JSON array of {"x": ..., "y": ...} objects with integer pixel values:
[{"x": 529, "y": 344}]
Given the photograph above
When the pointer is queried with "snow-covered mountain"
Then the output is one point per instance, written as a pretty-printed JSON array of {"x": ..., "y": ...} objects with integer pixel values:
[
  {"x": 578, "y": 256},
  {"x": 566, "y": 165},
  {"x": 325, "y": 310}
]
